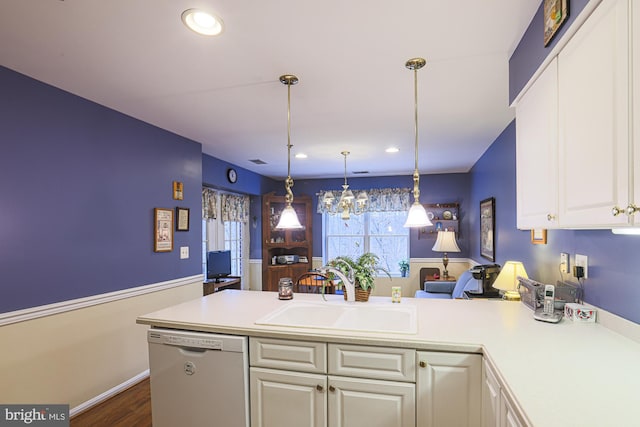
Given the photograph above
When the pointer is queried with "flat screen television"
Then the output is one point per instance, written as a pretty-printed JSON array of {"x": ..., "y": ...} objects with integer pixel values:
[{"x": 218, "y": 265}]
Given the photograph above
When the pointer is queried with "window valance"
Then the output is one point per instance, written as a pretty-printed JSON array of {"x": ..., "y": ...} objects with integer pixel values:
[{"x": 380, "y": 199}]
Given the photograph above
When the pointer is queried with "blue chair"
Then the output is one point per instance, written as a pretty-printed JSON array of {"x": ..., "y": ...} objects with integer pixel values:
[{"x": 457, "y": 292}]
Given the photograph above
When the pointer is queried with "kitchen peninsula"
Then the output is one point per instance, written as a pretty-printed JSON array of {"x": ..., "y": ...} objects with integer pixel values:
[{"x": 548, "y": 375}]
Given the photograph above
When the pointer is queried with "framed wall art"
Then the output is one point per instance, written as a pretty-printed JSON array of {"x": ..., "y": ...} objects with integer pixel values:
[
  {"x": 182, "y": 219},
  {"x": 162, "y": 230},
  {"x": 178, "y": 190},
  {"x": 487, "y": 228},
  {"x": 555, "y": 14}
]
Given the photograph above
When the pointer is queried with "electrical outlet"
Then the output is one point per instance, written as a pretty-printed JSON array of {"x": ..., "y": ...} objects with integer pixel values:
[
  {"x": 564, "y": 262},
  {"x": 583, "y": 261}
]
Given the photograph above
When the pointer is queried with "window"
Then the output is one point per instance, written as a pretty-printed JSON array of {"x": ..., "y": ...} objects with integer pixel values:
[
  {"x": 233, "y": 242},
  {"x": 379, "y": 232}
]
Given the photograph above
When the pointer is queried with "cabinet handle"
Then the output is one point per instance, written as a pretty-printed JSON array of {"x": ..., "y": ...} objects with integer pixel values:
[
  {"x": 615, "y": 211},
  {"x": 319, "y": 388},
  {"x": 423, "y": 364},
  {"x": 631, "y": 209},
  {"x": 332, "y": 388},
  {"x": 551, "y": 217}
]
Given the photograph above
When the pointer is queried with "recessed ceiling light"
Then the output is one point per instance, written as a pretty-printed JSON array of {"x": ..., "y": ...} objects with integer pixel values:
[
  {"x": 392, "y": 150},
  {"x": 301, "y": 156},
  {"x": 202, "y": 22}
]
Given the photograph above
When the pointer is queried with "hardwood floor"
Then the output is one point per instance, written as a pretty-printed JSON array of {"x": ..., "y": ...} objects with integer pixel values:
[{"x": 131, "y": 408}]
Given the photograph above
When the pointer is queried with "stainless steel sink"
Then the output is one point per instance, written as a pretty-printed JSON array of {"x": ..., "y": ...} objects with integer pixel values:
[{"x": 365, "y": 317}]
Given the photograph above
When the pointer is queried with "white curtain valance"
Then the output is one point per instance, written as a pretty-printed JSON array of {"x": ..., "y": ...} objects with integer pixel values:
[{"x": 380, "y": 199}]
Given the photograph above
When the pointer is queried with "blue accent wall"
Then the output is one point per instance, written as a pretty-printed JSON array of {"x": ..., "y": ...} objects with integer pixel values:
[
  {"x": 531, "y": 51},
  {"x": 79, "y": 185}
]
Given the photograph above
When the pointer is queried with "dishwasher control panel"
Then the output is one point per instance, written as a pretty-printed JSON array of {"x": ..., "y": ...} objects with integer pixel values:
[{"x": 185, "y": 341}]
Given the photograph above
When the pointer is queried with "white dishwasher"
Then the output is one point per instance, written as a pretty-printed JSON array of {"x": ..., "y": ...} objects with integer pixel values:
[{"x": 198, "y": 379}]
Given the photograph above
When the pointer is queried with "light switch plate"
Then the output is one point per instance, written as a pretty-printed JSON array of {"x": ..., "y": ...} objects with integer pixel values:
[
  {"x": 583, "y": 261},
  {"x": 184, "y": 252}
]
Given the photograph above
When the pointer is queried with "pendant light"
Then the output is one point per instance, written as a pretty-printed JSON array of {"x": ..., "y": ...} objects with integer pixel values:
[
  {"x": 347, "y": 203},
  {"x": 417, "y": 216},
  {"x": 288, "y": 217}
]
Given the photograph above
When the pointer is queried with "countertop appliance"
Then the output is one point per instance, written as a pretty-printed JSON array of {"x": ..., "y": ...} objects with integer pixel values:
[
  {"x": 198, "y": 379},
  {"x": 287, "y": 259},
  {"x": 485, "y": 274}
]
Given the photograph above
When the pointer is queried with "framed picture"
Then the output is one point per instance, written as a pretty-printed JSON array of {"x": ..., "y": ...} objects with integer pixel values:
[
  {"x": 555, "y": 14},
  {"x": 182, "y": 219},
  {"x": 539, "y": 236},
  {"x": 487, "y": 228},
  {"x": 163, "y": 230},
  {"x": 178, "y": 190}
]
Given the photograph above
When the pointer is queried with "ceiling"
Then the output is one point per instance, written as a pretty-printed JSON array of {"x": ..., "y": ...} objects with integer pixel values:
[{"x": 354, "y": 94}]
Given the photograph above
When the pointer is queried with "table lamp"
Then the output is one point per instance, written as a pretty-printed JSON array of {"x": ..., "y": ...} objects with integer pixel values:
[
  {"x": 507, "y": 280},
  {"x": 446, "y": 242}
]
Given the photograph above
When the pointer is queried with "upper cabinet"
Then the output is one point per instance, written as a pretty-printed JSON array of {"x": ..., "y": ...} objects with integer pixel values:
[
  {"x": 593, "y": 96},
  {"x": 537, "y": 152},
  {"x": 575, "y": 146}
]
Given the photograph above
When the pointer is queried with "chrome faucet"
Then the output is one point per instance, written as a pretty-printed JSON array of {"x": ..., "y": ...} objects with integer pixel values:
[{"x": 348, "y": 281}]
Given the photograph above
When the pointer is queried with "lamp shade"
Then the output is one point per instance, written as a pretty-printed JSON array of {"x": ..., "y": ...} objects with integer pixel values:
[
  {"x": 417, "y": 216},
  {"x": 446, "y": 242},
  {"x": 289, "y": 219},
  {"x": 507, "y": 280}
]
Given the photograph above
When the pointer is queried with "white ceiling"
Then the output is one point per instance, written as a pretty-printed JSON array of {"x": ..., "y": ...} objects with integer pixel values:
[{"x": 355, "y": 94}]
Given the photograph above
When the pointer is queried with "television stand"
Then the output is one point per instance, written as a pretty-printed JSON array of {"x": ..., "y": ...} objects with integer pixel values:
[{"x": 220, "y": 284}]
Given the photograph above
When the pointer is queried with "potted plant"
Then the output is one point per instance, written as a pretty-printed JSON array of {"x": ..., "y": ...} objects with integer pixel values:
[
  {"x": 404, "y": 267},
  {"x": 365, "y": 269}
]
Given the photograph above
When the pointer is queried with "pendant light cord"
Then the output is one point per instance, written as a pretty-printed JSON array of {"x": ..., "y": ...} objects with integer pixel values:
[{"x": 289, "y": 181}]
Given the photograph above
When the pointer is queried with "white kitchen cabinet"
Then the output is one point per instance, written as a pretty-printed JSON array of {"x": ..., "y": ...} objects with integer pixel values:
[
  {"x": 448, "y": 387},
  {"x": 509, "y": 417},
  {"x": 300, "y": 383},
  {"x": 490, "y": 397},
  {"x": 361, "y": 402},
  {"x": 498, "y": 409},
  {"x": 537, "y": 152},
  {"x": 287, "y": 398},
  {"x": 593, "y": 105},
  {"x": 632, "y": 207}
]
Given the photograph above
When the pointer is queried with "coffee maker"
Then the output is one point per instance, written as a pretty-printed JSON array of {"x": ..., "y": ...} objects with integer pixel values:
[{"x": 486, "y": 274}]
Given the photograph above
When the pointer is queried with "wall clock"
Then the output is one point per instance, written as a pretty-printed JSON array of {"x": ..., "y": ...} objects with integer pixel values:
[{"x": 232, "y": 175}]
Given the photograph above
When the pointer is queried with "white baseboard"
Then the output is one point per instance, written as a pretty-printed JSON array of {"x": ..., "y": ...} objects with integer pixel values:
[{"x": 108, "y": 394}]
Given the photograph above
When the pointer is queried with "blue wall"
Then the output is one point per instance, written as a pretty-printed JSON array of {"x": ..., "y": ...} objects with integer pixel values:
[
  {"x": 78, "y": 188},
  {"x": 531, "y": 51}
]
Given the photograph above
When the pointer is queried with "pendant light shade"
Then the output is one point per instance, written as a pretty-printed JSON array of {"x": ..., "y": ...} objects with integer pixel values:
[
  {"x": 288, "y": 217},
  {"x": 417, "y": 216}
]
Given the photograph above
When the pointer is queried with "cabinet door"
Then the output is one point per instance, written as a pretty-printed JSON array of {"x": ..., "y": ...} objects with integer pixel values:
[
  {"x": 537, "y": 152},
  {"x": 508, "y": 415},
  {"x": 490, "y": 397},
  {"x": 287, "y": 399},
  {"x": 593, "y": 119},
  {"x": 636, "y": 109},
  {"x": 449, "y": 389},
  {"x": 356, "y": 402}
]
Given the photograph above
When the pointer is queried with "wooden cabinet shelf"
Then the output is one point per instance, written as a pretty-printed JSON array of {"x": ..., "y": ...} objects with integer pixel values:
[{"x": 284, "y": 242}]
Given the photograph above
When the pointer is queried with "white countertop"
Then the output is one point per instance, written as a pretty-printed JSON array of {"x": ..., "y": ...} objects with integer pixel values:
[{"x": 566, "y": 374}]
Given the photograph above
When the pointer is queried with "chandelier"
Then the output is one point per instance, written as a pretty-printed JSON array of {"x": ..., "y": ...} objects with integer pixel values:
[{"x": 347, "y": 204}]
